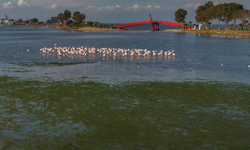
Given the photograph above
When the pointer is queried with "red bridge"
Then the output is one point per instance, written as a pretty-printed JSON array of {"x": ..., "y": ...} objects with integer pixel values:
[{"x": 155, "y": 25}]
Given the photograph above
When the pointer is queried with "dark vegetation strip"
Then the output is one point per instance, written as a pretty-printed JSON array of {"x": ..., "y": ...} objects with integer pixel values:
[
  {"x": 132, "y": 115},
  {"x": 49, "y": 64}
]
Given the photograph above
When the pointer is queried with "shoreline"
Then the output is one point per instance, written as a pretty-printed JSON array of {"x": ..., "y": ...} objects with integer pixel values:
[
  {"x": 88, "y": 29},
  {"x": 85, "y": 28},
  {"x": 217, "y": 32}
]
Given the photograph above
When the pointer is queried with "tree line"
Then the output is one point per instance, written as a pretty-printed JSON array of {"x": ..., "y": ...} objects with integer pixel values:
[
  {"x": 77, "y": 19},
  {"x": 68, "y": 19},
  {"x": 66, "y": 16},
  {"x": 227, "y": 12}
]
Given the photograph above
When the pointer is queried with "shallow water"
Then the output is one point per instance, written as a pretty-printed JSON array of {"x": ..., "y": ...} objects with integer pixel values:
[{"x": 197, "y": 56}]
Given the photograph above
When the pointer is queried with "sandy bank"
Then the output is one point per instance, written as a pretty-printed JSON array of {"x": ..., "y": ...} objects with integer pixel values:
[{"x": 218, "y": 32}]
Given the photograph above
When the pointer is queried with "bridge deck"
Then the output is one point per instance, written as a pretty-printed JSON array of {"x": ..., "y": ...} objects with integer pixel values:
[{"x": 148, "y": 22}]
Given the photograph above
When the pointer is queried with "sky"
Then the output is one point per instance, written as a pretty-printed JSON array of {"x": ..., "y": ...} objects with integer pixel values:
[{"x": 123, "y": 11}]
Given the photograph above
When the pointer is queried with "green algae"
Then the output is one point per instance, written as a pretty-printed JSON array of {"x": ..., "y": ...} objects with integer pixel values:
[{"x": 130, "y": 115}]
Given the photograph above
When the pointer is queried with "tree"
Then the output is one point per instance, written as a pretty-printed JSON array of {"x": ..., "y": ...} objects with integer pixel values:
[
  {"x": 208, "y": 4},
  {"x": 19, "y": 21},
  {"x": 40, "y": 23},
  {"x": 61, "y": 17},
  {"x": 54, "y": 20},
  {"x": 234, "y": 19},
  {"x": 227, "y": 11},
  {"x": 74, "y": 15},
  {"x": 103, "y": 25},
  {"x": 242, "y": 15},
  {"x": 211, "y": 14},
  {"x": 209, "y": 24},
  {"x": 69, "y": 22},
  {"x": 202, "y": 15},
  {"x": 79, "y": 18},
  {"x": 247, "y": 25},
  {"x": 67, "y": 15},
  {"x": 89, "y": 23},
  {"x": 34, "y": 20},
  {"x": 231, "y": 26},
  {"x": 190, "y": 22},
  {"x": 27, "y": 21},
  {"x": 49, "y": 21},
  {"x": 184, "y": 24},
  {"x": 241, "y": 26},
  {"x": 180, "y": 15},
  {"x": 218, "y": 14}
]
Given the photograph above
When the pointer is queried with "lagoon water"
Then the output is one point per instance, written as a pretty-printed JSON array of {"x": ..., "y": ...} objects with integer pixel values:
[
  {"x": 206, "y": 57},
  {"x": 123, "y": 115}
]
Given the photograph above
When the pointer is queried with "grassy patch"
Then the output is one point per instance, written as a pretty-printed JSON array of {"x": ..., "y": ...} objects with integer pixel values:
[{"x": 132, "y": 115}]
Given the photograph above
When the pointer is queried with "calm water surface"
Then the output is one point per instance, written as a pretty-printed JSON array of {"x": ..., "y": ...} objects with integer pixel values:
[
  {"x": 130, "y": 115},
  {"x": 204, "y": 57}
]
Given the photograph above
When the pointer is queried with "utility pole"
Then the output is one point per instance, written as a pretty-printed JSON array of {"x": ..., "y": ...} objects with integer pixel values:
[{"x": 113, "y": 18}]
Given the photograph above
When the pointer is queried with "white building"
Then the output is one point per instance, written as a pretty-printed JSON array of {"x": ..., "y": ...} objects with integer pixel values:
[
  {"x": 200, "y": 26},
  {"x": 6, "y": 21}
]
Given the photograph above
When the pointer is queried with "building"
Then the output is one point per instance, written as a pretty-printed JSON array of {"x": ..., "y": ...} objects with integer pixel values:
[{"x": 6, "y": 21}]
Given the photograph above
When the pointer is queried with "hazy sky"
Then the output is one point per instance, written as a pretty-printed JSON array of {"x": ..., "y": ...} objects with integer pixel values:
[{"x": 102, "y": 10}]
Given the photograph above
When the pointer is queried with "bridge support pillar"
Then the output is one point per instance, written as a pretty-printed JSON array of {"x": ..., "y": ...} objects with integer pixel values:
[
  {"x": 155, "y": 26},
  {"x": 152, "y": 27}
]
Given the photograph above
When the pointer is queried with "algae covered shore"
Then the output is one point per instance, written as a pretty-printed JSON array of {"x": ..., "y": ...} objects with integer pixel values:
[{"x": 131, "y": 115}]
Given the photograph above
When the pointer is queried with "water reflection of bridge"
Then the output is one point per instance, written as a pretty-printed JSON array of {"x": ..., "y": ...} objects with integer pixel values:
[{"x": 155, "y": 25}]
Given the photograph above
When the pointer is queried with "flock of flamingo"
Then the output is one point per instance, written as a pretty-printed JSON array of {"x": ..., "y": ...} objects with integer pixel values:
[{"x": 114, "y": 52}]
